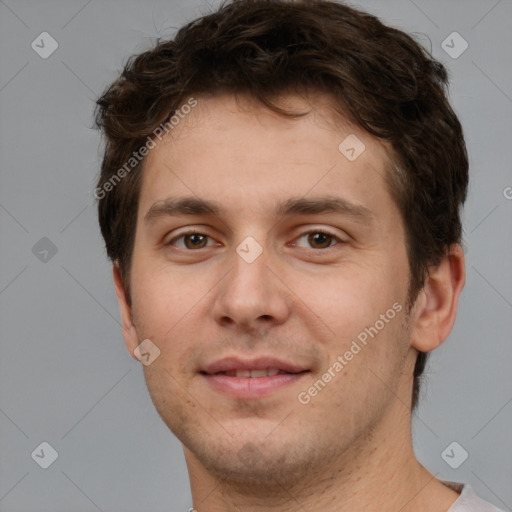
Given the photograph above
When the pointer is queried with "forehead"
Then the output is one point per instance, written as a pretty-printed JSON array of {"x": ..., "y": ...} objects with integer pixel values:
[{"x": 235, "y": 151}]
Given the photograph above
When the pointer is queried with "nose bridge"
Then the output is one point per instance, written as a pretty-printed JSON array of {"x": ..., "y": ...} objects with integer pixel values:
[
  {"x": 249, "y": 275},
  {"x": 250, "y": 294}
]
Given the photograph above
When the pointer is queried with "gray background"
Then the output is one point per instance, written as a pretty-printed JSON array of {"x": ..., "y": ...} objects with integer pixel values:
[{"x": 65, "y": 375}]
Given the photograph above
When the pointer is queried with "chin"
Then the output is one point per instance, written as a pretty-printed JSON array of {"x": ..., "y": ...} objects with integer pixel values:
[
  {"x": 248, "y": 467},
  {"x": 252, "y": 462}
]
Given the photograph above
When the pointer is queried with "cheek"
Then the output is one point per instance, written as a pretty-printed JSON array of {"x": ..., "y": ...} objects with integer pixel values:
[
  {"x": 170, "y": 309},
  {"x": 161, "y": 299},
  {"x": 351, "y": 298},
  {"x": 363, "y": 310},
  {"x": 175, "y": 406},
  {"x": 366, "y": 375}
]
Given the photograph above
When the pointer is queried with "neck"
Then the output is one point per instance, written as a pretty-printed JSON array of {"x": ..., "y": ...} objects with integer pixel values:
[{"x": 380, "y": 472}]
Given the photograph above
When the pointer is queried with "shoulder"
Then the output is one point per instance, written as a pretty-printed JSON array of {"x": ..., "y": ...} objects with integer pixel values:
[{"x": 469, "y": 501}]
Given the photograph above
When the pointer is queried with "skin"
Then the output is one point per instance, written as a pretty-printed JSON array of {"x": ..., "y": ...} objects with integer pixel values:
[{"x": 303, "y": 300}]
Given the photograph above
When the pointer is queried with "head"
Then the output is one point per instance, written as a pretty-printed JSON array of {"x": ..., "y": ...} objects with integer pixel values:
[{"x": 294, "y": 79}]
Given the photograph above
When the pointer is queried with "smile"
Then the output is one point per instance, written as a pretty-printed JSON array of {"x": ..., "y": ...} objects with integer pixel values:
[{"x": 268, "y": 372}]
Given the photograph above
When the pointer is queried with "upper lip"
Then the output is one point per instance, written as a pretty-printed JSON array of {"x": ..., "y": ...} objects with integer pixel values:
[{"x": 261, "y": 363}]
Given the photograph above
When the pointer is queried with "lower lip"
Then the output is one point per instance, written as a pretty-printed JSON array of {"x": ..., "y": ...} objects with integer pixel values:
[{"x": 252, "y": 387}]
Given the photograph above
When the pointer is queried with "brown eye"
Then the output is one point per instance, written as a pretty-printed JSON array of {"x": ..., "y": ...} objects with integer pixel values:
[
  {"x": 319, "y": 239},
  {"x": 196, "y": 240},
  {"x": 192, "y": 240}
]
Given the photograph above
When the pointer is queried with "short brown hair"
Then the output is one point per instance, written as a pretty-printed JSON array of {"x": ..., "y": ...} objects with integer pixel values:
[{"x": 379, "y": 77}]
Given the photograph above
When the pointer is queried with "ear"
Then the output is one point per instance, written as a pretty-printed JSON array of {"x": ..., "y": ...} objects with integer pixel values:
[
  {"x": 131, "y": 339},
  {"x": 436, "y": 306}
]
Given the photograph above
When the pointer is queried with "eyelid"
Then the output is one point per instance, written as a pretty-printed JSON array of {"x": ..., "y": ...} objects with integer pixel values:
[
  {"x": 323, "y": 231},
  {"x": 196, "y": 231},
  {"x": 190, "y": 231}
]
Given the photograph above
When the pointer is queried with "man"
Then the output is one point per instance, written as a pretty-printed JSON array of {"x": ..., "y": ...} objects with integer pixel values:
[{"x": 280, "y": 197}]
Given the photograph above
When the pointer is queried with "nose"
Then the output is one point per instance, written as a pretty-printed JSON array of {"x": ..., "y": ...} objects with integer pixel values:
[{"x": 253, "y": 295}]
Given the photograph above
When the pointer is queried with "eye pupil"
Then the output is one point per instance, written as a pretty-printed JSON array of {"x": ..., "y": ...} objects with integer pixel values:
[
  {"x": 320, "y": 238},
  {"x": 195, "y": 239}
]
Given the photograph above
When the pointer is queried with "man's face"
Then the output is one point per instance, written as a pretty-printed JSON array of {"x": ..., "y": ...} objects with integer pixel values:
[{"x": 323, "y": 277}]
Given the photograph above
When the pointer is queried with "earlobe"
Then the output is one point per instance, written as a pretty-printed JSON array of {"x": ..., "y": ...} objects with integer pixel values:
[
  {"x": 436, "y": 309},
  {"x": 131, "y": 339}
]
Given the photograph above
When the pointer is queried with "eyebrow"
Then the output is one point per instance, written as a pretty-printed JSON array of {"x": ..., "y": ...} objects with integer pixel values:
[{"x": 189, "y": 205}]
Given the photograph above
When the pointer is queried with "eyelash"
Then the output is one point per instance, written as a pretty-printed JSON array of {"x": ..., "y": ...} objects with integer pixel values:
[{"x": 312, "y": 231}]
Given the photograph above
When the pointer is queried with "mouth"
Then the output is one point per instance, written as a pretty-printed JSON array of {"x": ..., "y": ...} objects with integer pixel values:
[
  {"x": 254, "y": 374},
  {"x": 251, "y": 379}
]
